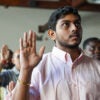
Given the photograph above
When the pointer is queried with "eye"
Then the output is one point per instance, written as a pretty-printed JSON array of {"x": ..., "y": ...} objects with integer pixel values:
[
  {"x": 78, "y": 24},
  {"x": 66, "y": 24},
  {"x": 92, "y": 48}
]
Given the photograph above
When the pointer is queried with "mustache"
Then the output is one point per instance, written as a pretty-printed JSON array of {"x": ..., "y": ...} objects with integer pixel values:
[{"x": 74, "y": 35}]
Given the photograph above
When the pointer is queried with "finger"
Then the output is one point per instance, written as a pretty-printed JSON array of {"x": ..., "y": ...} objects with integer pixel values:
[
  {"x": 30, "y": 38},
  {"x": 41, "y": 51},
  {"x": 4, "y": 51},
  {"x": 11, "y": 85},
  {"x": 21, "y": 44},
  {"x": 25, "y": 39},
  {"x": 7, "y": 54},
  {"x": 34, "y": 41},
  {"x": 5, "y": 46}
]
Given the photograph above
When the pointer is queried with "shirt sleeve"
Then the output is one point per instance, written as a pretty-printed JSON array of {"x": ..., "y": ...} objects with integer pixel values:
[
  {"x": 4, "y": 77},
  {"x": 34, "y": 87}
]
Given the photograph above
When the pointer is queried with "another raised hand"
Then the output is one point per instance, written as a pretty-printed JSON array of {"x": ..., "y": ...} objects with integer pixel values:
[
  {"x": 4, "y": 53},
  {"x": 11, "y": 86},
  {"x": 4, "y": 56}
]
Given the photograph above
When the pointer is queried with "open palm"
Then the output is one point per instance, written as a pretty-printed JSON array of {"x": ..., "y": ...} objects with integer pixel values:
[{"x": 28, "y": 55}]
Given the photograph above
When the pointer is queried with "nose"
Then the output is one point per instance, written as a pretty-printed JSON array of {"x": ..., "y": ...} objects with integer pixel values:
[{"x": 73, "y": 27}]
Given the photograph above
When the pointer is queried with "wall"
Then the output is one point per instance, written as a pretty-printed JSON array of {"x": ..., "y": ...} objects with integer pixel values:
[{"x": 16, "y": 20}]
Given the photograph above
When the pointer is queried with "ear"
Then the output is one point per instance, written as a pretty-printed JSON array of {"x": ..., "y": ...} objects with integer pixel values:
[{"x": 52, "y": 34}]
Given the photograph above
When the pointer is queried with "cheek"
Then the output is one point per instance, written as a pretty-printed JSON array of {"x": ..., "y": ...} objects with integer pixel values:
[
  {"x": 90, "y": 51},
  {"x": 62, "y": 37},
  {"x": 64, "y": 34},
  {"x": 17, "y": 62}
]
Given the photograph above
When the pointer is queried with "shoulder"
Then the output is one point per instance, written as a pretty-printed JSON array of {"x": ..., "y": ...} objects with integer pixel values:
[
  {"x": 88, "y": 61},
  {"x": 91, "y": 61},
  {"x": 6, "y": 75}
]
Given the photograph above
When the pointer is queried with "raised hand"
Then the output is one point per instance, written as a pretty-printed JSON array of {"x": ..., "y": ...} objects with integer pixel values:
[
  {"x": 29, "y": 58},
  {"x": 4, "y": 52},
  {"x": 11, "y": 86}
]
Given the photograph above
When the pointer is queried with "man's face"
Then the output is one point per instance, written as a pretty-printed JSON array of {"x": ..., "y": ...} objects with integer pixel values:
[
  {"x": 93, "y": 49},
  {"x": 68, "y": 31}
]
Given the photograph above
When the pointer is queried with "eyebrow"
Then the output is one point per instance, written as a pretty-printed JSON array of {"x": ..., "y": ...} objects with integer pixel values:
[{"x": 71, "y": 21}]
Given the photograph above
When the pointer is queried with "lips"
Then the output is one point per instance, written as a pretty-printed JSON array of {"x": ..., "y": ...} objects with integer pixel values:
[{"x": 74, "y": 36}]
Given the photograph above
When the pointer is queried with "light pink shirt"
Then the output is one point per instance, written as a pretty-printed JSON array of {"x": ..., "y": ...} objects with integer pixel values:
[{"x": 58, "y": 78}]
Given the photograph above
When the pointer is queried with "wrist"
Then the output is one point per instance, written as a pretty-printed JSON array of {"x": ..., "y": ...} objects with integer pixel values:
[
  {"x": 25, "y": 76},
  {"x": 24, "y": 83}
]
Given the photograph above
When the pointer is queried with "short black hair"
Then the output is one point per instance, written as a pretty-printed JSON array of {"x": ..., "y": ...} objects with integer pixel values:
[
  {"x": 60, "y": 13},
  {"x": 88, "y": 40}
]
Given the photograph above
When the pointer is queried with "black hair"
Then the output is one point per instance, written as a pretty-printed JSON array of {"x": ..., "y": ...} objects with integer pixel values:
[
  {"x": 87, "y": 41},
  {"x": 60, "y": 13}
]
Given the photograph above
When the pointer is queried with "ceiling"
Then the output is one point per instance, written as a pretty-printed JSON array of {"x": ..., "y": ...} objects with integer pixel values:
[
  {"x": 79, "y": 4},
  {"x": 86, "y": 5}
]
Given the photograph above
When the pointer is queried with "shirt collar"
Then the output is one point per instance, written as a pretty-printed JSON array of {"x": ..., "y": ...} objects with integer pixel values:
[
  {"x": 64, "y": 56},
  {"x": 59, "y": 53}
]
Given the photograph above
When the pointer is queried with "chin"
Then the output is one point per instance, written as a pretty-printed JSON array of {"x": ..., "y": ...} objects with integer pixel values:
[{"x": 73, "y": 46}]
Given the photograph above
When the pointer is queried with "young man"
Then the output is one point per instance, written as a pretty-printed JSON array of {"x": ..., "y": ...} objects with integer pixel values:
[
  {"x": 91, "y": 47},
  {"x": 63, "y": 74}
]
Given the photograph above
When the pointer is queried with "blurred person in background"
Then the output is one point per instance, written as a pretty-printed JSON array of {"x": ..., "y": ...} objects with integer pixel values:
[
  {"x": 6, "y": 55},
  {"x": 91, "y": 47},
  {"x": 9, "y": 75}
]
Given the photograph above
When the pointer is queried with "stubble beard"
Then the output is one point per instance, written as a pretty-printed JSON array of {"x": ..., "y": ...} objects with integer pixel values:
[{"x": 65, "y": 45}]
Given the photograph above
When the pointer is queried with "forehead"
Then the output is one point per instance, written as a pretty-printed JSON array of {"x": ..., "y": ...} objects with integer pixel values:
[
  {"x": 94, "y": 43},
  {"x": 69, "y": 17}
]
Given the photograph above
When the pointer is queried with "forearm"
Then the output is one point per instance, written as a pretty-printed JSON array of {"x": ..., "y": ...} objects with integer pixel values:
[{"x": 22, "y": 90}]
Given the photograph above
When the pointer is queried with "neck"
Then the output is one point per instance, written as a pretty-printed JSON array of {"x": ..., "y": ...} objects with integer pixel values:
[{"x": 74, "y": 52}]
